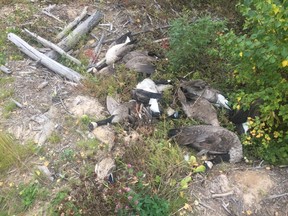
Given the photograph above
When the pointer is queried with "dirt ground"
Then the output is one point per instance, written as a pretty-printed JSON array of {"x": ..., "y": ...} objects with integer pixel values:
[{"x": 53, "y": 104}]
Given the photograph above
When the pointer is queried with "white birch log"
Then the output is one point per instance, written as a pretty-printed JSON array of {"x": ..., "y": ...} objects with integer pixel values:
[
  {"x": 53, "y": 46},
  {"x": 72, "y": 24},
  {"x": 43, "y": 59},
  {"x": 72, "y": 39}
]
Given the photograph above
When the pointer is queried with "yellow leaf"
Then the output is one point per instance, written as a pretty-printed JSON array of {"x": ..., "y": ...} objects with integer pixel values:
[
  {"x": 248, "y": 212},
  {"x": 192, "y": 160},
  {"x": 275, "y": 9},
  {"x": 285, "y": 63},
  {"x": 1, "y": 184},
  {"x": 42, "y": 158},
  {"x": 11, "y": 184},
  {"x": 181, "y": 194},
  {"x": 38, "y": 172},
  {"x": 241, "y": 54},
  {"x": 187, "y": 207},
  {"x": 46, "y": 163}
]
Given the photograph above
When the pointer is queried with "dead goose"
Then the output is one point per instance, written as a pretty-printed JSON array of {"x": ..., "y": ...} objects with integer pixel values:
[
  {"x": 240, "y": 117},
  {"x": 118, "y": 112},
  {"x": 201, "y": 88},
  {"x": 199, "y": 109},
  {"x": 210, "y": 139},
  {"x": 133, "y": 54},
  {"x": 146, "y": 93},
  {"x": 117, "y": 50},
  {"x": 141, "y": 64}
]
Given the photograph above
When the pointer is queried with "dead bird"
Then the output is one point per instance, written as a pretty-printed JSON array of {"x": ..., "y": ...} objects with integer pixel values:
[
  {"x": 201, "y": 88},
  {"x": 142, "y": 64},
  {"x": 117, "y": 50},
  {"x": 146, "y": 93},
  {"x": 199, "y": 109},
  {"x": 133, "y": 54},
  {"x": 213, "y": 140},
  {"x": 240, "y": 117},
  {"x": 118, "y": 112},
  {"x": 106, "y": 71}
]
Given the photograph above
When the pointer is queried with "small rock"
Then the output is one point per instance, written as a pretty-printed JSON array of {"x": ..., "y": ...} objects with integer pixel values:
[
  {"x": 46, "y": 172},
  {"x": 105, "y": 134}
]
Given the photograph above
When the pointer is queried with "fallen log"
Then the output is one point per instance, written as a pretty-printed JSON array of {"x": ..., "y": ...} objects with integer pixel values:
[
  {"x": 53, "y": 46},
  {"x": 72, "y": 39},
  {"x": 43, "y": 59},
  {"x": 72, "y": 24}
]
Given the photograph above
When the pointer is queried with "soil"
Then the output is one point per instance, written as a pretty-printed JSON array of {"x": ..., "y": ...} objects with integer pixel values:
[{"x": 57, "y": 107}]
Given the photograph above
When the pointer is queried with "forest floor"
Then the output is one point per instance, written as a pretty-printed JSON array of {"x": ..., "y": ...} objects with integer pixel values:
[{"x": 52, "y": 117}]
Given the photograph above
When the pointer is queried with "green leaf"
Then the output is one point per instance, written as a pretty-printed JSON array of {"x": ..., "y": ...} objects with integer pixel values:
[
  {"x": 199, "y": 169},
  {"x": 184, "y": 182}
]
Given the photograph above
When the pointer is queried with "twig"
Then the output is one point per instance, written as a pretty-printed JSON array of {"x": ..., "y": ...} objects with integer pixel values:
[
  {"x": 161, "y": 40},
  {"x": 277, "y": 196},
  {"x": 206, "y": 206},
  {"x": 189, "y": 74},
  {"x": 225, "y": 207},
  {"x": 72, "y": 24},
  {"x": 47, "y": 12},
  {"x": 61, "y": 149},
  {"x": 222, "y": 195},
  {"x": 140, "y": 32},
  {"x": 52, "y": 46},
  {"x": 99, "y": 45},
  {"x": 17, "y": 103}
]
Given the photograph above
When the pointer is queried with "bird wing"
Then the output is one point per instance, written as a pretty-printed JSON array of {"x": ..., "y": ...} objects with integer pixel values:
[
  {"x": 147, "y": 68},
  {"x": 111, "y": 104},
  {"x": 211, "y": 142},
  {"x": 147, "y": 85},
  {"x": 139, "y": 93}
]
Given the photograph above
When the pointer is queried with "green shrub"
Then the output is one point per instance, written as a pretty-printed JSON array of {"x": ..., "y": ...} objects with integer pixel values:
[
  {"x": 258, "y": 61},
  {"x": 135, "y": 200},
  {"x": 191, "y": 43}
]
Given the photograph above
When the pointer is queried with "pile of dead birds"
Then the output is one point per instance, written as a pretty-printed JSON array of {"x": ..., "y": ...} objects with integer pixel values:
[{"x": 198, "y": 99}]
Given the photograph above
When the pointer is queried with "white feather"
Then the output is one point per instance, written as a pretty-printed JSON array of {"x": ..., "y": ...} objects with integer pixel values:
[
  {"x": 154, "y": 106},
  {"x": 222, "y": 101},
  {"x": 245, "y": 126},
  {"x": 147, "y": 85},
  {"x": 112, "y": 54}
]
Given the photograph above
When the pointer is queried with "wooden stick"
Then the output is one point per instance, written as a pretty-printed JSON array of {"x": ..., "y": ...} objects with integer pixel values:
[
  {"x": 17, "y": 103},
  {"x": 43, "y": 59},
  {"x": 277, "y": 196},
  {"x": 72, "y": 24},
  {"x": 47, "y": 12},
  {"x": 72, "y": 39},
  {"x": 222, "y": 195},
  {"x": 160, "y": 40},
  {"x": 53, "y": 46},
  {"x": 99, "y": 45}
]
